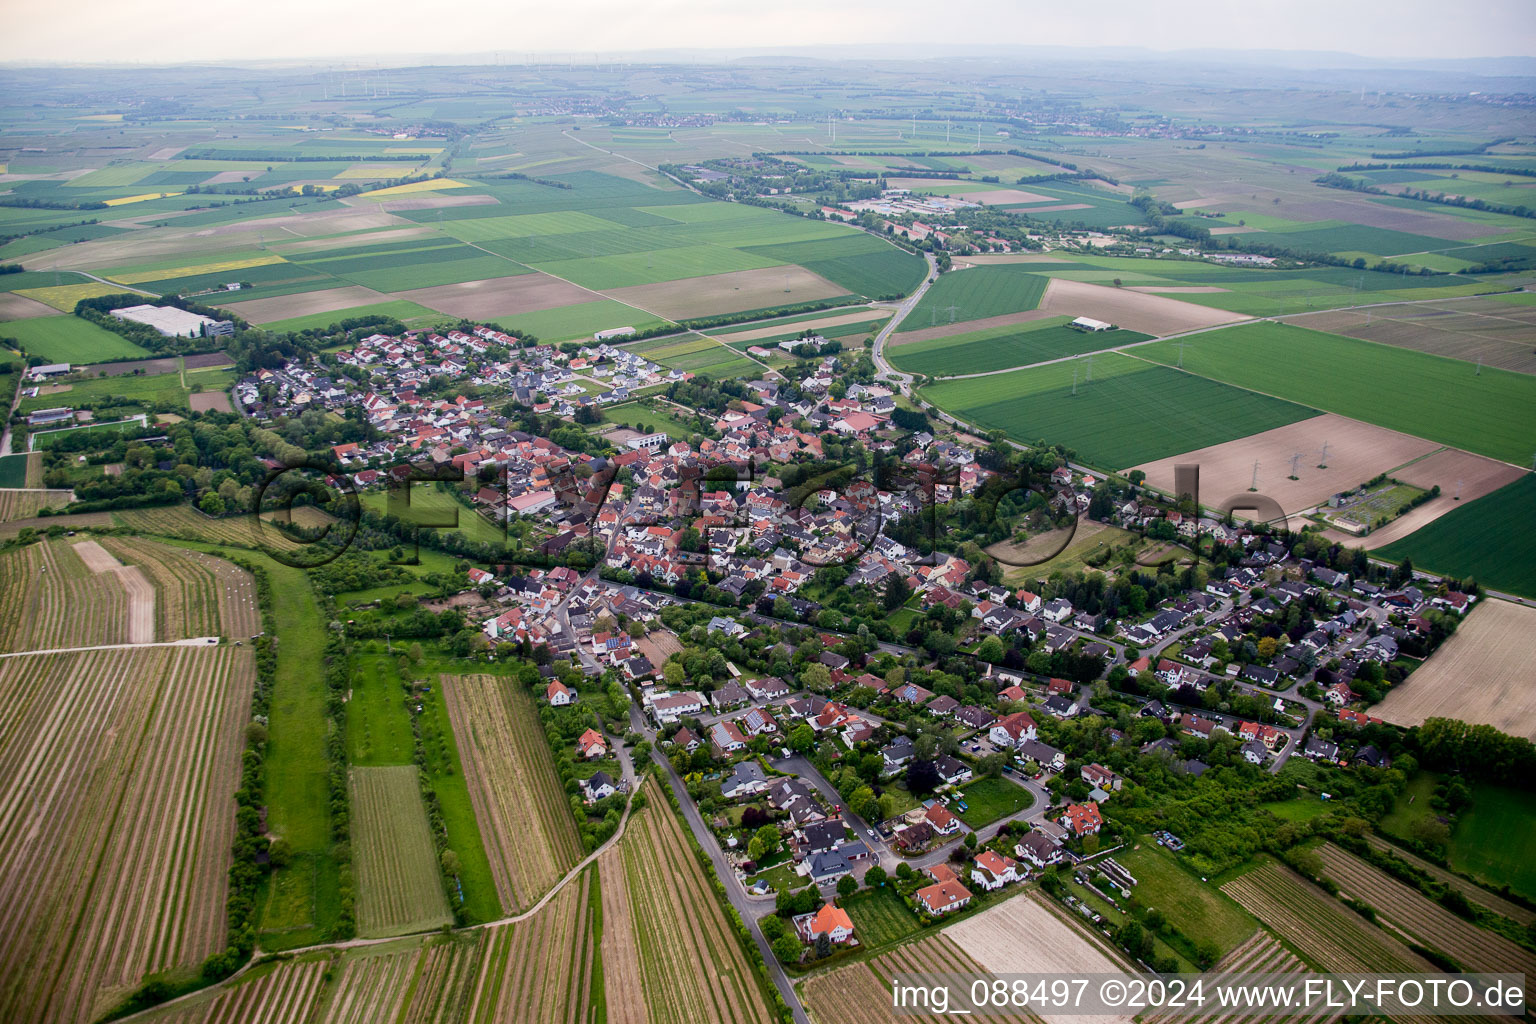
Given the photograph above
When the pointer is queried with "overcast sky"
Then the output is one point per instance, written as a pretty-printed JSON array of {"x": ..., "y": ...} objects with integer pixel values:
[{"x": 178, "y": 31}]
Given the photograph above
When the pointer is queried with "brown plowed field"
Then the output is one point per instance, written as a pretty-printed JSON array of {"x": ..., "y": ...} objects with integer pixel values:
[
  {"x": 1476, "y": 329},
  {"x": 861, "y": 992},
  {"x": 729, "y": 293},
  {"x": 19, "y": 307},
  {"x": 1028, "y": 934},
  {"x": 968, "y": 326},
  {"x": 539, "y": 970},
  {"x": 1483, "y": 674},
  {"x": 1356, "y": 452},
  {"x": 326, "y": 300},
  {"x": 1156, "y": 315},
  {"x": 500, "y": 296},
  {"x": 1457, "y": 472},
  {"x": 116, "y": 819}
]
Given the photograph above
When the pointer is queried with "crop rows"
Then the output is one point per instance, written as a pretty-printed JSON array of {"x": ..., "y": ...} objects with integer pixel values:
[
  {"x": 861, "y": 992},
  {"x": 620, "y": 949},
  {"x": 186, "y": 592},
  {"x": 115, "y": 823},
  {"x": 524, "y": 813},
  {"x": 444, "y": 982},
  {"x": 399, "y": 887},
  {"x": 1261, "y": 954},
  {"x": 1331, "y": 937},
  {"x": 186, "y": 523},
  {"x": 371, "y": 988},
  {"x": 284, "y": 995},
  {"x": 1474, "y": 948},
  {"x": 691, "y": 966},
  {"x": 25, "y": 504},
  {"x": 539, "y": 970},
  {"x": 52, "y": 601}
]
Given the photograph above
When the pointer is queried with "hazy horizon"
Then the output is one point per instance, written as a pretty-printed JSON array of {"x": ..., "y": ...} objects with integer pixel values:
[{"x": 99, "y": 31}]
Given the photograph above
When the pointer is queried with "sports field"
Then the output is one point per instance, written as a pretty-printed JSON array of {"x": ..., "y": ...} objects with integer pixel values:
[
  {"x": 999, "y": 348},
  {"x": 1492, "y": 539},
  {"x": 1130, "y": 412},
  {"x": 1492, "y": 412}
]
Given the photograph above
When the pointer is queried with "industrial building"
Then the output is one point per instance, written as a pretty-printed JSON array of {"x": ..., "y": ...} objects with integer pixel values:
[{"x": 170, "y": 321}]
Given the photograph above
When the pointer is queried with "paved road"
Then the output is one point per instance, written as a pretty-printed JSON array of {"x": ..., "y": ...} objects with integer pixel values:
[
  {"x": 749, "y": 910},
  {"x": 801, "y": 765},
  {"x": 884, "y": 368}
]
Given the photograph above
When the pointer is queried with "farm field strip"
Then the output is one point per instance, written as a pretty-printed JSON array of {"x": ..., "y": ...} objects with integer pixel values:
[
  {"x": 620, "y": 950},
  {"x": 534, "y": 970},
  {"x": 399, "y": 886},
  {"x": 1260, "y": 954},
  {"x": 286, "y": 994},
  {"x": 1473, "y": 892},
  {"x": 185, "y": 523},
  {"x": 1491, "y": 539},
  {"x": 115, "y": 826},
  {"x": 443, "y": 988},
  {"x": 691, "y": 966},
  {"x": 370, "y": 988},
  {"x": 525, "y": 818},
  {"x": 1481, "y": 674},
  {"x": 23, "y": 504},
  {"x": 1333, "y": 938},
  {"x": 49, "y": 587},
  {"x": 1484, "y": 410},
  {"x": 1475, "y": 948}
]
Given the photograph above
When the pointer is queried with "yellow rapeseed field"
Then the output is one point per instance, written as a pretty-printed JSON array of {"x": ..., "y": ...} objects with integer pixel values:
[
  {"x": 125, "y": 200},
  {"x": 200, "y": 268},
  {"x": 64, "y": 296},
  {"x": 430, "y": 185}
]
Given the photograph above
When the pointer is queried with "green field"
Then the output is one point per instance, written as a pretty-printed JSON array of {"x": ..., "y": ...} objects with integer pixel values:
[
  {"x": 1492, "y": 538},
  {"x": 69, "y": 339},
  {"x": 580, "y": 321},
  {"x": 978, "y": 293},
  {"x": 1492, "y": 412},
  {"x": 13, "y": 470},
  {"x": 879, "y": 916},
  {"x": 399, "y": 886},
  {"x": 1494, "y": 839},
  {"x": 109, "y": 395},
  {"x": 1198, "y": 910},
  {"x": 989, "y": 799},
  {"x": 1301, "y": 808},
  {"x": 861, "y": 263},
  {"x": 1131, "y": 412},
  {"x": 999, "y": 348},
  {"x": 400, "y": 309}
]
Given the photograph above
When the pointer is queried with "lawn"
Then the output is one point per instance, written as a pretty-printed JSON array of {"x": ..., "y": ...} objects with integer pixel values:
[
  {"x": 1494, "y": 839},
  {"x": 69, "y": 339},
  {"x": 1129, "y": 413},
  {"x": 1198, "y": 910},
  {"x": 432, "y": 506},
  {"x": 1484, "y": 410},
  {"x": 978, "y": 293},
  {"x": 1301, "y": 808},
  {"x": 989, "y": 799},
  {"x": 13, "y": 470},
  {"x": 1411, "y": 805},
  {"x": 879, "y": 916},
  {"x": 1002, "y": 347},
  {"x": 1492, "y": 538}
]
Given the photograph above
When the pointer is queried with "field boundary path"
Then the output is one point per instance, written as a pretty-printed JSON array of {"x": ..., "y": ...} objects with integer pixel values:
[
  {"x": 908, "y": 304},
  {"x": 196, "y": 641}
]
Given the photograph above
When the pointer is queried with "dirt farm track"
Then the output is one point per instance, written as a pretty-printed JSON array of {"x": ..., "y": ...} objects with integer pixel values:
[{"x": 1482, "y": 674}]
